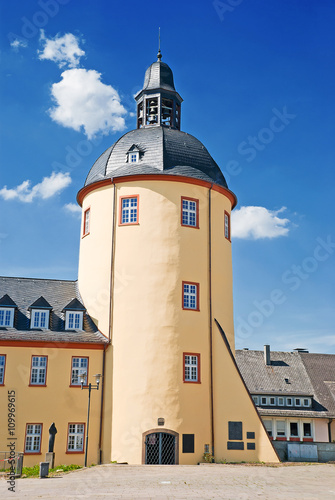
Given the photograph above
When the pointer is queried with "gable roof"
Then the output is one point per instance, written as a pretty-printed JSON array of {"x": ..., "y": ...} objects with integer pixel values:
[
  {"x": 48, "y": 293},
  {"x": 6, "y": 301},
  {"x": 74, "y": 305},
  {"x": 40, "y": 303}
]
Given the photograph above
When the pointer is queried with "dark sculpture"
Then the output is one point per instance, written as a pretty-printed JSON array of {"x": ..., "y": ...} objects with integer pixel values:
[{"x": 52, "y": 433}]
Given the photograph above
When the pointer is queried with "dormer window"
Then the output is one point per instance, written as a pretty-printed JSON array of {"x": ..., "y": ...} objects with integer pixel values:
[
  {"x": 133, "y": 154},
  {"x": 6, "y": 317},
  {"x": 39, "y": 318},
  {"x": 74, "y": 315},
  {"x": 40, "y": 314},
  {"x": 7, "y": 309},
  {"x": 73, "y": 320}
]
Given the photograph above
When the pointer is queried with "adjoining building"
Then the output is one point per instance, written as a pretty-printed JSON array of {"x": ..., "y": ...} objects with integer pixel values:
[
  {"x": 295, "y": 395},
  {"x": 155, "y": 310}
]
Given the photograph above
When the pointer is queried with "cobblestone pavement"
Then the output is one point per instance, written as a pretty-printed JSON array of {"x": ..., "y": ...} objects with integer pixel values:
[{"x": 235, "y": 482}]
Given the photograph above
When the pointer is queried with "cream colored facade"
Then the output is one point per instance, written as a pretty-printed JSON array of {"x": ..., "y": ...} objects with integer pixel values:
[
  {"x": 56, "y": 401},
  {"x": 142, "y": 268}
]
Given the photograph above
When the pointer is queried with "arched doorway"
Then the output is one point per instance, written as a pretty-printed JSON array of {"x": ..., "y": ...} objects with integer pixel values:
[{"x": 160, "y": 447}]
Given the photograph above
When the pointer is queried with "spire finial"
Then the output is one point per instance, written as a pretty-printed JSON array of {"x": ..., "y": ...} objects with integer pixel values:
[{"x": 159, "y": 55}]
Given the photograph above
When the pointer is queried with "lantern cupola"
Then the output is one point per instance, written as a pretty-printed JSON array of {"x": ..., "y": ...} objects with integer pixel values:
[{"x": 158, "y": 103}]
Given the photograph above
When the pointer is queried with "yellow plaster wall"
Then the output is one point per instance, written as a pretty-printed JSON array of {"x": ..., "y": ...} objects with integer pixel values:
[
  {"x": 57, "y": 402},
  {"x": 150, "y": 330}
]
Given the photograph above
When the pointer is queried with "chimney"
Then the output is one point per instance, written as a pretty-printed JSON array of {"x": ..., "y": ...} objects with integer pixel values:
[{"x": 267, "y": 359}]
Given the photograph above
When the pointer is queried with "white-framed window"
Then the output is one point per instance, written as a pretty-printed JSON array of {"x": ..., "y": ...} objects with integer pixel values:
[
  {"x": 7, "y": 316},
  {"x": 297, "y": 402},
  {"x": 190, "y": 296},
  {"x": 129, "y": 210},
  {"x": 227, "y": 225},
  {"x": 255, "y": 398},
  {"x": 75, "y": 440},
  {"x": 307, "y": 429},
  {"x": 2, "y": 368},
  {"x": 133, "y": 157},
  {"x": 33, "y": 438},
  {"x": 79, "y": 367},
  {"x": 289, "y": 402},
  {"x": 38, "y": 372},
  {"x": 39, "y": 318},
  {"x": 86, "y": 225},
  {"x": 272, "y": 401},
  {"x": 74, "y": 320},
  {"x": 294, "y": 429},
  {"x": 281, "y": 428},
  {"x": 281, "y": 401},
  {"x": 264, "y": 400},
  {"x": 307, "y": 402},
  {"x": 268, "y": 426},
  {"x": 191, "y": 367},
  {"x": 189, "y": 212}
]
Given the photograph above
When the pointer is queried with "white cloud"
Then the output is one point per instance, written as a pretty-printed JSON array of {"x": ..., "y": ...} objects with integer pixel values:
[
  {"x": 73, "y": 208},
  {"x": 63, "y": 50},
  {"x": 17, "y": 43},
  {"x": 83, "y": 101},
  {"x": 257, "y": 223},
  {"x": 47, "y": 188}
]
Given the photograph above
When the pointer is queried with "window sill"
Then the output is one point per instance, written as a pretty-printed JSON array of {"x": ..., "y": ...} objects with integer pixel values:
[
  {"x": 192, "y": 382},
  {"x": 188, "y": 225},
  {"x": 37, "y": 385},
  {"x": 84, "y": 235},
  {"x": 32, "y": 453},
  {"x": 129, "y": 224},
  {"x": 74, "y": 452},
  {"x": 294, "y": 439},
  {"x": 308, "y": 440},
  {"x": 281, "y": 438},
  {"x": 78, "y": 386}
]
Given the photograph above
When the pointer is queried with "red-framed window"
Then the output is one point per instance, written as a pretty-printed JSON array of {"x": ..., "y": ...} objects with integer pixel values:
[
  {"x": 75, "y": 437},
  {"x": 79, "y": 366},
  {"x": 227, "y": 225},
  {"x": 191, "y": 367},
  {"x": 190, "y": 296},
  {"x": 189, "y": 212},
  {"x": 2, "y": 368},
  {"x": 86, "y": 222},
  {"x": 38, "y": 371},
  {"x": 33, "y": 439},
  {"x": 129, "y": 210}
]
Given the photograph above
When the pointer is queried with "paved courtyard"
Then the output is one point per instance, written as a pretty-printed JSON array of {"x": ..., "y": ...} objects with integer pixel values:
[{"x": 235, "y": 482}]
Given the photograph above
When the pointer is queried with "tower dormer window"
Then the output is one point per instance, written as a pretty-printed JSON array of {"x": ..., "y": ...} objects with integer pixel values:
[{"x": 133, "y": 157}]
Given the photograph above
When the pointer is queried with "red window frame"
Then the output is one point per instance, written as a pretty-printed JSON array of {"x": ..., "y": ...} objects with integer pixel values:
[
  {"x": 88, "y": 365},
  {"x": 75, "y": 452},
  {"x": 137, "y": 196},
  {"x": 226, "y": 214},
  {"x": 25, "y": 438},
  {"x": 31, "y": 369},
  {"x": 4, "y": 369},
  {"x": 198, "y": 381},
  {"x": 88, "y": 210},
  {"x": 198, "y": 294},
  {"x": 197, "y": 212}
]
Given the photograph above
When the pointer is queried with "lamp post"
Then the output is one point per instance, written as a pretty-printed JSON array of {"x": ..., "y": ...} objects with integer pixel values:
[{"x": 89, "y": 387}]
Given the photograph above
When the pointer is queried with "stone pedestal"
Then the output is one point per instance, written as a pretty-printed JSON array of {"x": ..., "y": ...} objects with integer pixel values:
[{"x": 50, "y": 457}]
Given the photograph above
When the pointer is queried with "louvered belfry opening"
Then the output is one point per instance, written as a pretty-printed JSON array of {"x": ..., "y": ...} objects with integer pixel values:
[{"x": 160, "y": 449}]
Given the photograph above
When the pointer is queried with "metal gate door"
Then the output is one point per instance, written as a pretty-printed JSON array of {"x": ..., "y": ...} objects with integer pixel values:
[{"x": 160, "y": 448}]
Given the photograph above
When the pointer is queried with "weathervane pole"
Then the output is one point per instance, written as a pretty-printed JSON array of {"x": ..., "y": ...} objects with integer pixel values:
[{"x": 159, "y": 55}]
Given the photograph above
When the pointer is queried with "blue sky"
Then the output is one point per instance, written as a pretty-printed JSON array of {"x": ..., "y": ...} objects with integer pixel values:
[{"x": 257, "y": 79}]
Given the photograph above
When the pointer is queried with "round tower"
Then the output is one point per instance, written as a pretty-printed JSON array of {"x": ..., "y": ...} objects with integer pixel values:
[{"x": 155, "y": 272}]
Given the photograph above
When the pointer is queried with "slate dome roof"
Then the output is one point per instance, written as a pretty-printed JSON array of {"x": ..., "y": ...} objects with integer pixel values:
[
  {"x": 158, "y": 76},
  {"x": 162, "y": 150}
]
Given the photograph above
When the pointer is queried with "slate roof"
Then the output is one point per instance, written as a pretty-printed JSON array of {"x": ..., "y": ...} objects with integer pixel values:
[
  {"x": 307, "y": 374},
  {"x": 158, "y": 76},
  {"x": 164, "y": 150},
  {"x": 58, "y": 293}
]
